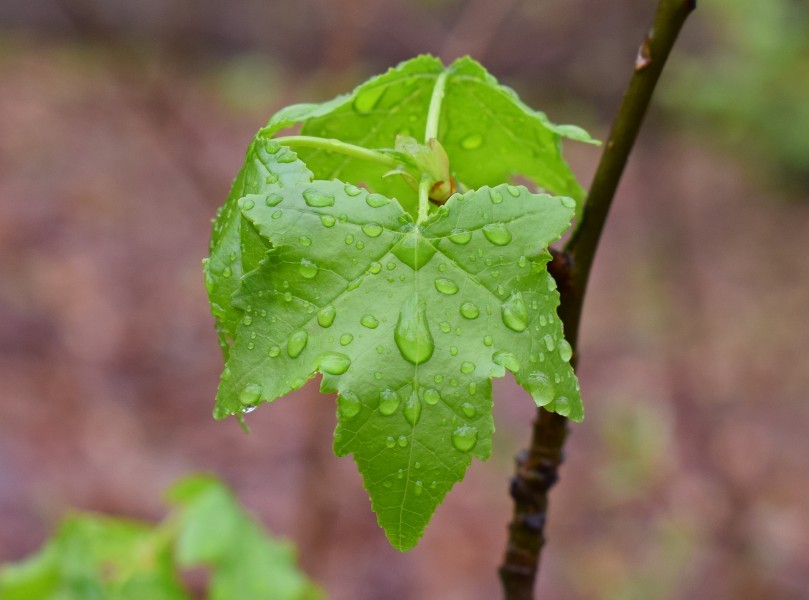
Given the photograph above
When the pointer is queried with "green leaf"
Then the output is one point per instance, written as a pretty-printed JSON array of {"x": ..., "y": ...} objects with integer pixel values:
[
  {"x": 216, "y": 531},
  {"x": 488, "y": 133},
  {"x": 407, "y": 322}
]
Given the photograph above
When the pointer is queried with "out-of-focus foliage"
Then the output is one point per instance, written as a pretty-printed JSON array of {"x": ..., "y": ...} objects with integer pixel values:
[
  {"x": 753, "y": 86},
  {"x": 99, "y": 557}
]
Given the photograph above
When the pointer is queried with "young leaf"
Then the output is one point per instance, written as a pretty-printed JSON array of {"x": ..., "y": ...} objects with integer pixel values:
[
  {"x": 407, "y": 322},
  {"x": 488, "y": 133}
]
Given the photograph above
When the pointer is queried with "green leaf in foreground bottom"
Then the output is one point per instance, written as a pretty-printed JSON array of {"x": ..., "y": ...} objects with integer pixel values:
[{"x": 407, "y": 322}]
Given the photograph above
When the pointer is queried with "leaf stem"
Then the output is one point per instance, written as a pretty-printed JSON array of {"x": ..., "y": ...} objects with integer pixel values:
[
  {"x": 537, "y": 467},
  {"x": 334, "y": 145},
  {"x": 434, "y": 112},
  {"x": 424, "y": 199}
]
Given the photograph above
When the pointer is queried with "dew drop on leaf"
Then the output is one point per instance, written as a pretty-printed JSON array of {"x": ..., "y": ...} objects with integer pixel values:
[
  {"x": 432, "y": 396},
  {"x": 227, "y": 272},
  {"x": 317, "y": 199},
  {"x": 513, "y": 190},
  {"x": 374, "y": 268},
  {"x": 453, "y": 350},
  {"x": 348, "y": 404},
  {"x": 325, "y": 316},
  {"x": 506, "y": 359},
  {"x": 412, "y": 334},
  {"x": 246, "y": 204},
  {"x": 550, "y": 344},
  {"x": 377, "y": 200},
  {"x": 460, "y": 236},
  {"x": 327, "y": 220},
  {"x": 487, "y": 340},
  {"x": 472, "y": 142},
  {"x": 346, "y": 339},
  {"x": 390, "y": 442},
  {"x": 352, "y": 190},
  {"x": 412, "y": 408},
  {"x": 402, "y": 441},
  {"x": 333, "y": 363},
  {"x": 369, "y": 321},
  {"x": 349, "y": 239},
  {"x": 250, "y": 394},
  {"x": 469, "y": 410},
  {"x": 277, "y": 214},
  {"x": 497, "y": 233},
  {"x": 565, "y": 350},
  {"x": 562, "y": 406},
  {"x": 372, "y": 229},
  {"x": 273, "y": 199},
  {"x": 305, "y": 241},
  {"x": 495, "y": 196},
  {"x": 515, "y": 313},
  {"x": 388, "y": 402},
  {"x": 445, "y": 327},
  {"x": 469, "y": 310},
  {"x": 446, "y": 286},
  {"x": 467, "y": 367},
  {"x": 368, "y": 99},
  {"x": 568, "y": 202},
  {"x": 296, "y": 343},
  {"x": 307, "y": 268},
  {"x": 540, "y": 388},
  {"x": 465, "y": 438}
]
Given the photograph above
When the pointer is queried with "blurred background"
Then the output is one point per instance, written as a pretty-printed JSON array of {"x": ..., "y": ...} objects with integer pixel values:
[{"x": 121, "y": 127}]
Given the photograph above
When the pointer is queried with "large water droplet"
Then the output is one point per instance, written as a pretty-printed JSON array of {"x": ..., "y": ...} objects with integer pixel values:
[
  {"x": 465, "y": 438},
  {"x": 388, "y": 402},
  {"x": 460, "y": 236},
  {"x": 412, "y": 334},
  {"x": 562, "y": 406},
  {"x": 346, "y": 339},
  {"x": 246, "y": 203},
  {"x": 446, "y": 286},
  {"x": 568, "y": 202},
  {"x": 469, "y": 410},
  {"x": 495, "y": 196},
  {"x": 274, "y": 351},
  {"x": 550, "y": 343},
  {"x": 506, "y": 359},
  {"x": 307, "y": 268},
  {"x": 296, "y": 343},
  {"x": 515, "y": 313},
  {"x": 327, "y": 220},
  {"x": 497, "y": 233},
  {"x": 467, "y": 367},
  {"x": 325, "y": 316},
  {"x": 374, "y": 268},
  {"x": 369, "y": 321},
  {"x": 431, "y": 396},
  {"x": 250, "y": 394},
  {"x": 402, "y": 441},
  {"x": 488, "y": 340},
  {"x": 372, "y": 229},
  {"x": 367, "y": 99},
  {"x": 472, "y": 142},
  {"x": 412, "y": 408},
  {"x": 469, "y": 311},
  {"x": 377, "y": 200},
  {"x": 333, "y": 363},
  {"x": 390, "y": 443},
  {"x": 273, "y": 199},
  {"x": 540, "y": 387},
  {"x": 348, "y": 405},
  {"x": 316, "y": 198},
  {"x": 352, "y": 190},
  {"x": 565, "y": 350},
  {"x": 513, "y": 190}
]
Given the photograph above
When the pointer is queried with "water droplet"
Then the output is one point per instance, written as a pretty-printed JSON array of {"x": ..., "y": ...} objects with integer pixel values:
[
  {"x": 550, "y": 343},
  {"x": 248, "y": 320},
  {"x": 469, "y": 311},
  {"x": 418, "y": 488},
  {"x": 286, "y": 158},
  {"x": 471, "y": 142},
  {"x": 522, "y": 262},
  {"x": 305, "y": 241},
  {"x": 360, "y": 246},
  {"x": 369, "y": 321},
  {"x": 388, "y": 402},
  {"x": 273, "y": 199},
  {"x": 412, "y": 334},
  {"x": 348, "y": 405},
  {"x": 390, "y": 442},
  {"x": 333, "y": 363},
  {"x": 227, "y": 272},
  {"x": 565, "y": 350},
  {"x": 325, "y": 316},
  {"x": 246, "y": 203},
  {"x": 497, "y": 233},
  {"x": 250, "y": 346},
  {"x": 412, "y": 408},
  {"x": 438, "y": 378},
  {"x": 568, "y": 202},
  {"x": 367, "y": 99},
  {"x": 540, "y": 387},
  {"x": 460, "y": 236},
  {"x": 296, "y": 343},
  {"x": 374, "y": 268},
  {"x": 431, "y": 396},
  {"x": 307, "y": 268},
  {"x": 372, "y": 229},
  {"x": 402, "y": 441},
  {"x": 316, "y": 199},
  {"x": 515, "y": 313},
  {"x": 250, "y": 394},
  {"x": 377, "y": 200},
  {"x": 390, "y": 266},
  {"x": 469, "y": 410},
  {"x": 327, "y": 220},
  {"x": 277, "y": 214},
  {"x": 349, "y": 239},
  {"x": 513, "y": 190},
  {"x": 380, "y": 350},
  {"x": 472, "y": 388},
  {"x": 274, "y": 351},
  {"x": 378, "y": 376},
  {"x": 446, "y": 286},
  {"x": 467, "y": 367},
  {"x": 506, "y": 359},
  {"x": 487, "y": 340},
  {"x": 400, "y": 474},
  {"x": 465, "y": 438},
  {"x": 453, "y": 350},
  {"x": 562, "y": 406},
  {"x": 496, "y": 196},
  {"x": 445, "y": 327}
]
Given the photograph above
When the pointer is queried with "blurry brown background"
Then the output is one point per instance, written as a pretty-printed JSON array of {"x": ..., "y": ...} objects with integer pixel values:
[{"x": 121, "y": 126}]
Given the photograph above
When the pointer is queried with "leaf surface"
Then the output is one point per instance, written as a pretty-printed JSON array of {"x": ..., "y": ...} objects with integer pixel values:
[{"x": 408, "y": 323}]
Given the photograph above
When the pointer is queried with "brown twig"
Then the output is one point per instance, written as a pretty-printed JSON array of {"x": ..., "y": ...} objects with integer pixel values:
[{"x": 537, "y": 467}]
